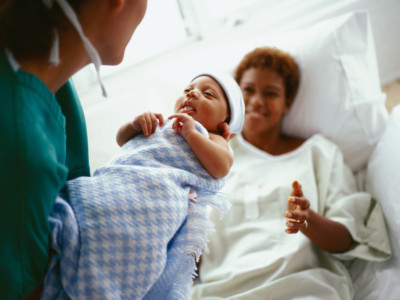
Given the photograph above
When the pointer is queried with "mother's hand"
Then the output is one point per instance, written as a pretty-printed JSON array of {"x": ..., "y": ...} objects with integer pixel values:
[{"x": 298, "y": 210}]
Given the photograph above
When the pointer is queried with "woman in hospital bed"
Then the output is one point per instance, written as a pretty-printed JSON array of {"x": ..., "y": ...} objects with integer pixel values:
[
  {"x": 251, "y": 255},
  {"x": 133, "y": 229}
]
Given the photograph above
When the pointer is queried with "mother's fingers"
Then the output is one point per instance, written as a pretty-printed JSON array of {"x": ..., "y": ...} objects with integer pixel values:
[
  {"x": 291, "y": 230},
  {"x": 303, "y": 202},
  {"x": 293, "y": 226},
  {"x": 296, "y": 189},
  {"x": 296, "y": 216}
]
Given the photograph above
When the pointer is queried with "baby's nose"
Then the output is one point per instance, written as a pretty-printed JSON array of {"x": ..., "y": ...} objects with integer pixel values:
[{"x": 193, "y": 94}]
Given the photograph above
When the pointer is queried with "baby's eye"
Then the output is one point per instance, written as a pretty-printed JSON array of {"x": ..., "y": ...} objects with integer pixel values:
[{"x": 209, "y": 94}]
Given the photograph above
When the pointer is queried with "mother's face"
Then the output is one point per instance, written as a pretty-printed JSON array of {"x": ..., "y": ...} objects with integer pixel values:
[{"x": 265, "y": 100}]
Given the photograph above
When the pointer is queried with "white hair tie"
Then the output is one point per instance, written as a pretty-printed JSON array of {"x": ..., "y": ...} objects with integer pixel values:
[
  {"x": 91, "y": 51},
  {"x": 54, "y": 51}
]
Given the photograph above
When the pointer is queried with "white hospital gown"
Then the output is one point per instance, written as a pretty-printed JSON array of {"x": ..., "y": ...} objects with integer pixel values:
[{"x": 251, "y": 257}]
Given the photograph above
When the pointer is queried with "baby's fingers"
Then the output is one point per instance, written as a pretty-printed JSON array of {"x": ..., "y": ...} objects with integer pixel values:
[
  {"x": 148, "y": 122},
  {"x": 160, "y": 118},
  {"x": 176, "y": 125},
  {"x": 153, "y": 122}
]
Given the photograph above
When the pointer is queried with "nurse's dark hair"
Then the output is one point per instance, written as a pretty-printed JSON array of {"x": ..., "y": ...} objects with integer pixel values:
[
  {"x": 26, "y": 26},
  {"x": 276, "y": 60}
]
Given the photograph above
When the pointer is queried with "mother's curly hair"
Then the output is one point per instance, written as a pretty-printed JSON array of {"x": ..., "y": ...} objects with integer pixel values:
[{"x": 274, "y": 59}]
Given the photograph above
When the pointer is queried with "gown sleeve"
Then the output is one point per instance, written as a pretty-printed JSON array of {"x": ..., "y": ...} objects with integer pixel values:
[{"x": 359, "y": 212}]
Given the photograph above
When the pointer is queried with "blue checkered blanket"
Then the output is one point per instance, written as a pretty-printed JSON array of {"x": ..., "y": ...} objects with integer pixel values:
[{"x": 133, "y": 229}]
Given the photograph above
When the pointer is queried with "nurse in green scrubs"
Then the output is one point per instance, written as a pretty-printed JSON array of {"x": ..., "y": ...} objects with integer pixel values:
[{"x": 43, "y": 138}]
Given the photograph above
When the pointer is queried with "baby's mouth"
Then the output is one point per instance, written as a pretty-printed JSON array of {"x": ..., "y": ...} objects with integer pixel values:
[{"x": 188, "y": 109}]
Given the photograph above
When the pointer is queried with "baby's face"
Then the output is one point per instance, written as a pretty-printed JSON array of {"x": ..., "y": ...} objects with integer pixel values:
[{"x": 205, "y": 101}]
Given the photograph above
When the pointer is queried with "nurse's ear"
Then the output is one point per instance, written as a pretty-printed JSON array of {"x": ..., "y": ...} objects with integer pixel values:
[{"x": 117, "y": 4}]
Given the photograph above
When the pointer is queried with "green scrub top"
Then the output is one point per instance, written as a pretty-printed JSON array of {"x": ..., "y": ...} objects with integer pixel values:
[{"x": 43, "y": 143}]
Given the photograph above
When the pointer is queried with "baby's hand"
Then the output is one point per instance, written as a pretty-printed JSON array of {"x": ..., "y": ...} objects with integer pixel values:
[
  {"x": 148, "y": 122},
  {"x": 184, "y": 124},
  {"x": 297, "y": 212}
]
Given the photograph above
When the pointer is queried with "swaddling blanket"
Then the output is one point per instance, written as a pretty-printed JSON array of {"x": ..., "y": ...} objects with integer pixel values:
[{"x": 131, "y": 231}]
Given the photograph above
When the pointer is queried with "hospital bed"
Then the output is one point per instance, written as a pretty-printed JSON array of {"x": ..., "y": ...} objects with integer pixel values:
[{"x": 340, "y": 96}]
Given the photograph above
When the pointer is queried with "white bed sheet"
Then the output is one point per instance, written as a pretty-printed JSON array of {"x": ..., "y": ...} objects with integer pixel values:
[{"x": 380, "y": 280}]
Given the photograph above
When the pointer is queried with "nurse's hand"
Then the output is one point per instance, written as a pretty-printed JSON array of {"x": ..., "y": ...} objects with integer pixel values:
[{"x": 298, "y": 210}]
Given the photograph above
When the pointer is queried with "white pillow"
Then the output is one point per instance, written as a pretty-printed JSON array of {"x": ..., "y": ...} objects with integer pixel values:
[
  {"x": 340, "y": 94},
  {"x": 380, "y": 280}
]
